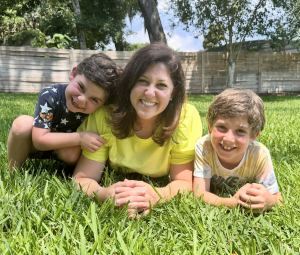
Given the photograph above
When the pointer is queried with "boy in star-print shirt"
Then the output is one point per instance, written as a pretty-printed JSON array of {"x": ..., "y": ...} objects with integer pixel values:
[
  {"x": 59, "y": 112},
  {"x": 52, "y": 113}
]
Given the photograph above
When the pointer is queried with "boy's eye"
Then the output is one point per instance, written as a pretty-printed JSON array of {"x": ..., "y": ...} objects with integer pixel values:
[
  {"x": 81, "y": 87},
  {"x": 241, "y": 131},
  {"x": 95, "y": 100}
]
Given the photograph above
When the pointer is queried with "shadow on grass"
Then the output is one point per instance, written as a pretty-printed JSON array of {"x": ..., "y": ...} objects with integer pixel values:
[{"x": 109, "y": 177}]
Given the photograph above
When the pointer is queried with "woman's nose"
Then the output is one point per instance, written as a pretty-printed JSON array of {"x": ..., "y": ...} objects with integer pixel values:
[{"x": 150, "y": 90}]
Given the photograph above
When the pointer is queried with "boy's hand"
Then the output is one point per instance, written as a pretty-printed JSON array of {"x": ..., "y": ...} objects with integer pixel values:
[
  {"x": 257, "y": 197},
  {"x": 242, "y": 191},
  {"x": 91, "y": 141}
]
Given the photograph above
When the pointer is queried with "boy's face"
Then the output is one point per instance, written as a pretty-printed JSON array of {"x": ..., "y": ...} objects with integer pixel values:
[
  {"x": 230, "y": 138},
  {"x": 82, "y": 95}
]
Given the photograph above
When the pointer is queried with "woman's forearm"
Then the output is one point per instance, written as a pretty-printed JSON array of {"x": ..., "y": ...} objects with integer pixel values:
[{"x": 173, "y": 188}]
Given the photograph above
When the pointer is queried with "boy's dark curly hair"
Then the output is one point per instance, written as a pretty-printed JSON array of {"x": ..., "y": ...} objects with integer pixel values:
[{"x": 103, "y": 71}]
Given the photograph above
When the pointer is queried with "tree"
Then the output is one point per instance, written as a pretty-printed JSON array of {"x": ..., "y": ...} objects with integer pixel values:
[
  {"x": 214, "y": 37},
  {"x": 152, "y": 21},
  {"x": 235, "y": 19},
  {"x": 80, "y": 31},
  {"x": 286, "y": 30}
]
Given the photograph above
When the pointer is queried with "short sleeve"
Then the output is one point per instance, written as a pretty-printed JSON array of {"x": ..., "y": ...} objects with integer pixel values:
[
  {"x": 96, "y": 122},
  {"x": 202, "y": 168},
  {"x": 266, "y": 175},
  {"x": 44, "y": 110},
  {"x": 188, "y": 132}
]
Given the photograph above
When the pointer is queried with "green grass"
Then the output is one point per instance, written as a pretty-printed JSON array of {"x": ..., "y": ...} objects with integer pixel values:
[{"x": 41, "y": 212}]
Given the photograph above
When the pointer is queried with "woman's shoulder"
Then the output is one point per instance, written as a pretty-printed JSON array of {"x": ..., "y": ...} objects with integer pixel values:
[
  {"x": 189, "y": 124},
  {"x": 97, "y": 121},
  {"x": 189, "y": 116}
]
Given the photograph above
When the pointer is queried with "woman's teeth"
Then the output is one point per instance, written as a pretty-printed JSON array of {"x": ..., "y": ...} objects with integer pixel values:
[{"x": 147, "y": 103}]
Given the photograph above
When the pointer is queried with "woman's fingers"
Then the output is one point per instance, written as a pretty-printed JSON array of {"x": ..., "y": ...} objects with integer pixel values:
[
  {"x": 130, "y": 192},
  {"x": 122, "y": 189},
  {"x": 140, "y": 206},
  {"x": 132, "y": 199}
]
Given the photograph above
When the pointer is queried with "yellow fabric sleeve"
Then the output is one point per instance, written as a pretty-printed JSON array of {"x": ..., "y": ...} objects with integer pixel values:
[{"x": 189, "y": 131}]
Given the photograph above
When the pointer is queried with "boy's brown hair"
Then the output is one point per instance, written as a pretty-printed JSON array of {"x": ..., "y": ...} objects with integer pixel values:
[
  {"x": 103, "y": 71},
  {"x": 238, "y": 103}
]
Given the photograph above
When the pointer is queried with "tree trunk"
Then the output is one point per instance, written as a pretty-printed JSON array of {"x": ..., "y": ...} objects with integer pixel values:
[
  {"x": 231, "y": 62},
  {"x": 231, "y": 70},
  {"x": 152, "y": 21},
  {"x": 80, "y": 31}
]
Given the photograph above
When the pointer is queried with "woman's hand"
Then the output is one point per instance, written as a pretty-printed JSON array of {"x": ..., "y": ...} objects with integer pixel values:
[{"x": 141, "y": 197}]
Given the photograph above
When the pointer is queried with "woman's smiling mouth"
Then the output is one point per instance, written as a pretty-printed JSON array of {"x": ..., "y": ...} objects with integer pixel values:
[{"x": 147, "y": 104}]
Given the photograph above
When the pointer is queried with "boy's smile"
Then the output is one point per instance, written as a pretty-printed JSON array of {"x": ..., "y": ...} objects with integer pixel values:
[
  {"x": 230, "y": 138},
  {"x": 82, "y": 95}
]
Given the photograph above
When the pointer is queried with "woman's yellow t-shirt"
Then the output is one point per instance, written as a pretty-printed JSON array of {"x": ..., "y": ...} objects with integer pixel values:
[{"x": 144, "y": 156}]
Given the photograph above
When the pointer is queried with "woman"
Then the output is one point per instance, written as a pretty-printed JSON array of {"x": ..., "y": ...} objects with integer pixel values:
[{"x": 151, "y": 130}]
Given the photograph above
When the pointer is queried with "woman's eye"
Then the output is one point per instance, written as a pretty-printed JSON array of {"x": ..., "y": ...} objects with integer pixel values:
[
  {"x": 162, "y": 85},
  {"x": 142, "y": 81}
]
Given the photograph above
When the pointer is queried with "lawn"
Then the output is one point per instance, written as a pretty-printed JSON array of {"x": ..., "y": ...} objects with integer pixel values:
[{"x": 41, "y": 212}]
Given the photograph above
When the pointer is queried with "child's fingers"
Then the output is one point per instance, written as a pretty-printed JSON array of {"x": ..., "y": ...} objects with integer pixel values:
[
  {"x": 101, "y": 140},
  {"x": 253, "y": 192},
  {"x": 256, "y": 208},
  {"x": 257, "y": 186}
]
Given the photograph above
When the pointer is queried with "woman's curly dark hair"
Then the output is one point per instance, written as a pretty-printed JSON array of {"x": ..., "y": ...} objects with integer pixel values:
[{"x": 123, "y": 115}]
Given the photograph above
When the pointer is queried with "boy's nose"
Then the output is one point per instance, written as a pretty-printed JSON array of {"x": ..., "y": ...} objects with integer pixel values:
[
  {"x": 229, "y": 137},
  {"x": 82, "y": 99}
]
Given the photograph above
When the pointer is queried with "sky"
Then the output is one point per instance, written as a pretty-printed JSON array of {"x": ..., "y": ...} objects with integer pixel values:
[{"x": 180, "y": 39}]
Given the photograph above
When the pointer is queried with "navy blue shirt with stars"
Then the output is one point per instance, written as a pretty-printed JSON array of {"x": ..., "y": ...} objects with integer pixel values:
[{"x": 52, "y": 113}]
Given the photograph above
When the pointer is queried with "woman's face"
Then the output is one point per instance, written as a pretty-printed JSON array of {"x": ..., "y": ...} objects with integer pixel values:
[{"x": 152, "y": 92}]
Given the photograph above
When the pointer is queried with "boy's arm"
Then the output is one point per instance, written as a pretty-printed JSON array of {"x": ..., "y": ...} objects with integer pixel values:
[
  {"x": 201, "y": 186},
  {"x": 44, "y": 140}
]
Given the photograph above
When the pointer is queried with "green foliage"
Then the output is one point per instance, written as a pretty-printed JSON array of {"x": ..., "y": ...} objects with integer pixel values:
[
  {"x": 42, "y": 212},
  {"x": 37, "y": 39},
  {"x": 19, "y": 39},
  {"x": 285, "y": 30},
  {"x": 214, "y": 37},
  {"x": 58, "y": 41},
  {"x": 136, "y": 46},
  {"x": 103, "y": 21},
  {"x": 233, "y": 20}
]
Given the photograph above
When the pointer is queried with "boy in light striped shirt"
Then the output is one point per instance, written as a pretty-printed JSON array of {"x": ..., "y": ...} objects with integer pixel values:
[{"x": 229, "y": 154}]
